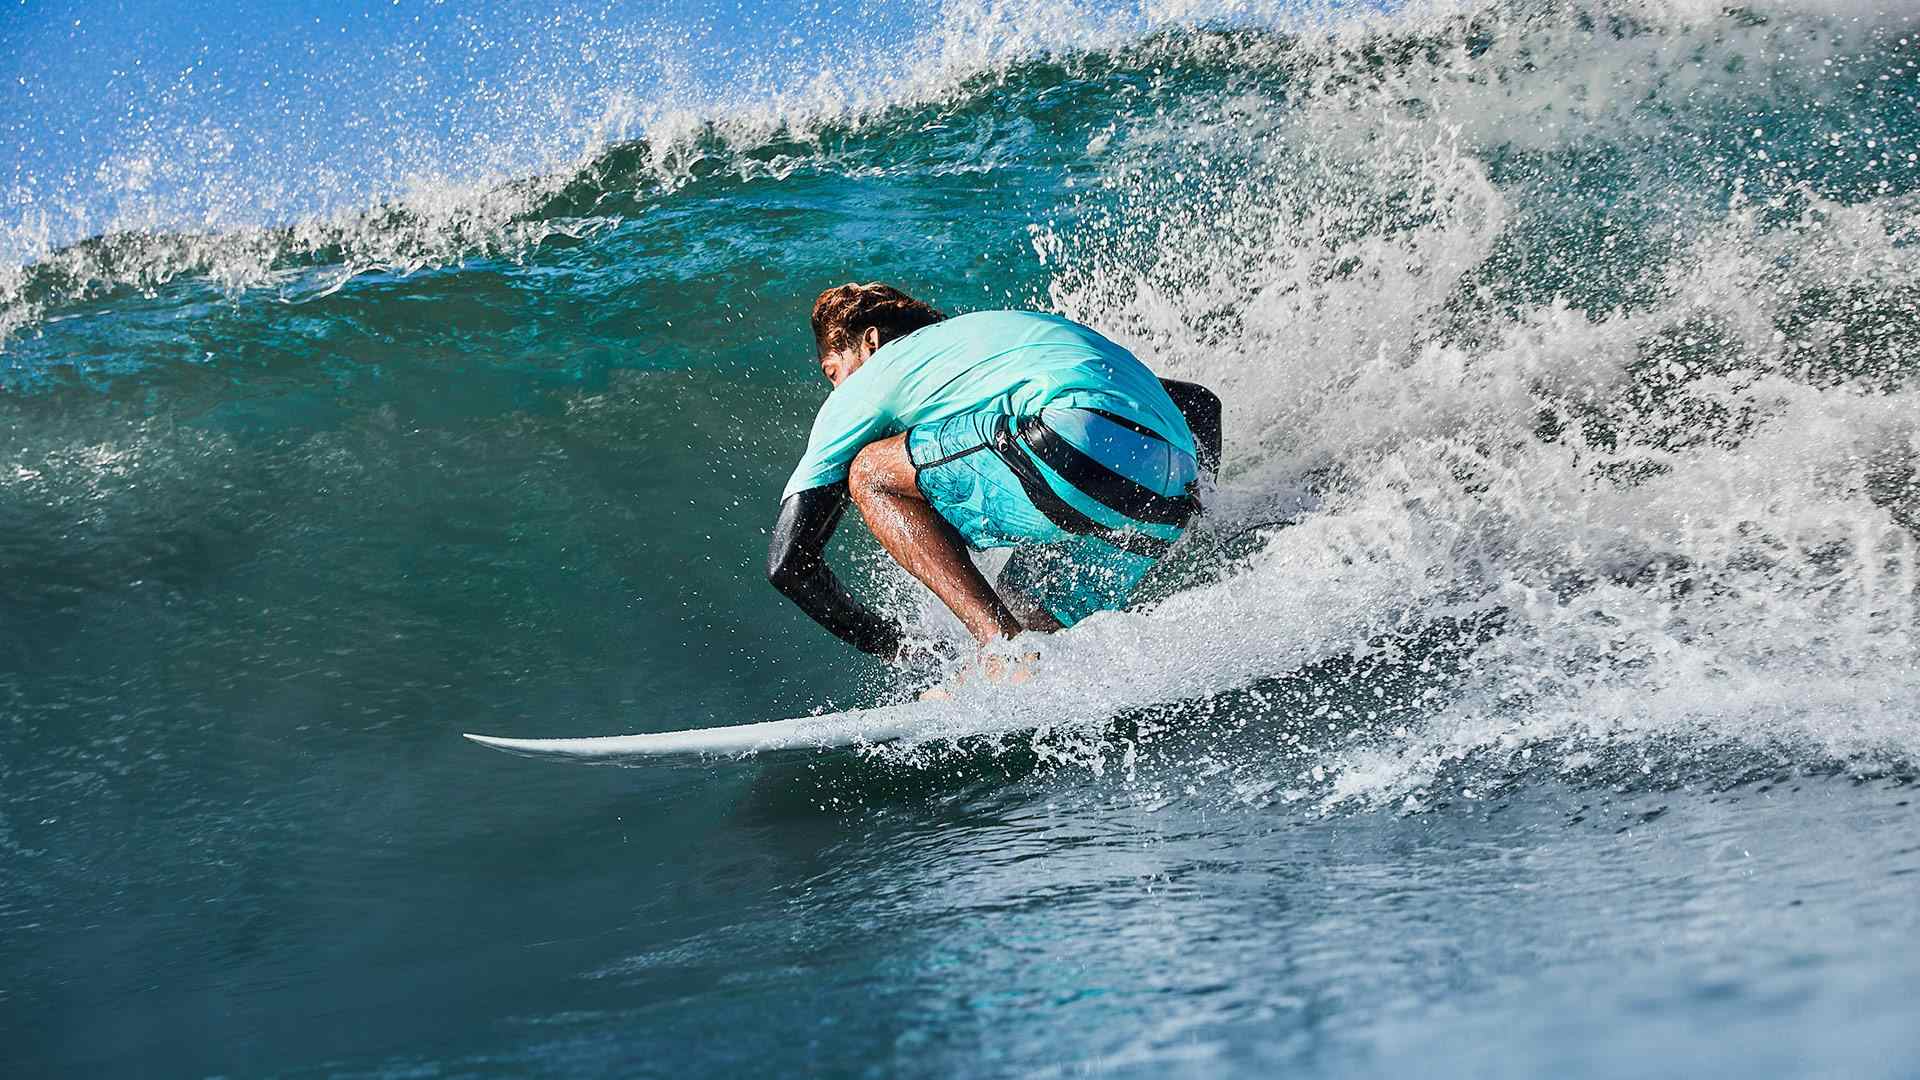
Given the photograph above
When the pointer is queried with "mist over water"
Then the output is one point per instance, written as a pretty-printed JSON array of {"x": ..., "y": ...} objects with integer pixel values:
[{"x": 1544, "y": 667}]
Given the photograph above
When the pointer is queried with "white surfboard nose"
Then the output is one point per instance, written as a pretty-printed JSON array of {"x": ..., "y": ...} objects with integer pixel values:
[
  {"x": 577, "y": 749},
  {"x": 825, "y": 732},
  {"x": 495, "y": 741}
]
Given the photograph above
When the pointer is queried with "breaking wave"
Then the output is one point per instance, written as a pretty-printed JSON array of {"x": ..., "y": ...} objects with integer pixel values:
[{"x": 1571, "y": 351}]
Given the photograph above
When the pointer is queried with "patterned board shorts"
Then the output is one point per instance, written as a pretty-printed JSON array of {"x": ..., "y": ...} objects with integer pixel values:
[{"x": 1089, "y": 500}]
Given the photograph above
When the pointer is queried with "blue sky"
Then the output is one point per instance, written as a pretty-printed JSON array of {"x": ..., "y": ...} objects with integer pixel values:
[
  {"x": 113, "y": 102},
  {"x": 76, "y": 73}
]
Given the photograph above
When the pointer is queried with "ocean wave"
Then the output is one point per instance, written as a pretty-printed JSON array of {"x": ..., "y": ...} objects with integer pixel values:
[{"x": 1586, "y": 326}]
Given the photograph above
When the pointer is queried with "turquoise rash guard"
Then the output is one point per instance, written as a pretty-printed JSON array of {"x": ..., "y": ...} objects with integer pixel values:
[{"x": 1009, "y": 362}]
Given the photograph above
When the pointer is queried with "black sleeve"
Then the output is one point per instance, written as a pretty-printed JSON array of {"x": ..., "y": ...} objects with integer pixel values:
[
  {"x": 797, "y": 566},
  {"x": 1201, "y": 407}
]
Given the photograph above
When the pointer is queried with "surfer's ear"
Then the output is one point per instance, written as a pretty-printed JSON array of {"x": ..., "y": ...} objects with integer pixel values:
[{"x": 870, "y": 340}]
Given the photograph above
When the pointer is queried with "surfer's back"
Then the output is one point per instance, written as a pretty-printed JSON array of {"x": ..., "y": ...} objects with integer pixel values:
[{"x": 1014, "y": 362}]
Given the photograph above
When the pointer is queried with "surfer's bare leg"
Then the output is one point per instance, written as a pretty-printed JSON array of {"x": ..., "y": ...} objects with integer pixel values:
[{"x": 881, "y": 482}]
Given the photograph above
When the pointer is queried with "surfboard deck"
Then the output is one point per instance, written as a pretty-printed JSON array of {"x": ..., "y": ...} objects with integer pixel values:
[{"x": 828, "y": 731}]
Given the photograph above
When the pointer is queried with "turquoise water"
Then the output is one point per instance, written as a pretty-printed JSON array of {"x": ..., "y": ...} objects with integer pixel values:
[{"x": 1570, "y": 727}]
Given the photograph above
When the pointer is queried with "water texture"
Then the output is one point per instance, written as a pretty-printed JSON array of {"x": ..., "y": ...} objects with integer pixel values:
[{"x": 1539, "y": 695}]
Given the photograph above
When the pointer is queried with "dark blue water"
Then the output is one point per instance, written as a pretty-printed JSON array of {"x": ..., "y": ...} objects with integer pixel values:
[{"x": 1569, "y": 727}]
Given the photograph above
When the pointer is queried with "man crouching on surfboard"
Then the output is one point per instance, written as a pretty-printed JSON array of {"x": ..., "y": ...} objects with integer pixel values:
[{"x": 991, "y": 429}]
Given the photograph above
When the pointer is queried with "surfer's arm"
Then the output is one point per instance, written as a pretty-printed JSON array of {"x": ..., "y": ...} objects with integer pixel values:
[{"x": 797, "y": 566}]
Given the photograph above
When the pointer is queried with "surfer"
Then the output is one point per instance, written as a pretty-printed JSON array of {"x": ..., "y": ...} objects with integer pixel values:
[{"x": 990, "y": 429}]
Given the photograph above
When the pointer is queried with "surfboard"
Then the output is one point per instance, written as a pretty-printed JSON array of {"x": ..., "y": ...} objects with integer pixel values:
[{"x": 827, "y": 731}]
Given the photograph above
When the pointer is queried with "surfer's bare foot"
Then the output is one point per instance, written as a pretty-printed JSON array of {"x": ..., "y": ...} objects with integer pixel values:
[
  {"x": 992, "y": 668},
  {"x": 1010, "y": 670}
]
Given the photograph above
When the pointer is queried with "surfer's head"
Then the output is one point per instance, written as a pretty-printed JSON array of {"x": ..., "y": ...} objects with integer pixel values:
[{"x": 851, "y": 322}]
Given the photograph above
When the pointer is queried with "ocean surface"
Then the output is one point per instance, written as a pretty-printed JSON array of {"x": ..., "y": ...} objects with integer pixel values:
[{"x": 1540, "y": 694}]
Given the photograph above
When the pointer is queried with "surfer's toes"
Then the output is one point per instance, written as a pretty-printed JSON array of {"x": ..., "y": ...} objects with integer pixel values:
[
  {"x": 1009, "y": 670},
  {"x": 997, "y": 670}
]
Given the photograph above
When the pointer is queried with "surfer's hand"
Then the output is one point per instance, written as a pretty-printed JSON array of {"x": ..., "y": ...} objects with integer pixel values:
[{"x": 925, "y": 653}]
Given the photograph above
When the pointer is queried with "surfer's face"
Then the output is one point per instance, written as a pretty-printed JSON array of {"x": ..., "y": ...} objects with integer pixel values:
[
  {"x": 844, "y": 361},
  {"x": 840, "y": 363}
]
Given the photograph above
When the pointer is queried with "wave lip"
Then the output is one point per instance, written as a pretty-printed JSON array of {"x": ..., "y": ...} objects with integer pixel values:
[{"x": 556, "y": 115}]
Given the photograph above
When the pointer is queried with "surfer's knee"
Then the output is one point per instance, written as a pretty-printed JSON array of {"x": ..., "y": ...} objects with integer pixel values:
[{"x": 881, "y": 469}]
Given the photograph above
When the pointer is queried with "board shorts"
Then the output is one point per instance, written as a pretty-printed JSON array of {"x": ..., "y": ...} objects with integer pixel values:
[{"x": 1090, "y": 500}]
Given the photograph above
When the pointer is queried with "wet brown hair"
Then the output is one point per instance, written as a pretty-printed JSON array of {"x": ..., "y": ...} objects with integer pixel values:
[{"x": 844, "y": 312}]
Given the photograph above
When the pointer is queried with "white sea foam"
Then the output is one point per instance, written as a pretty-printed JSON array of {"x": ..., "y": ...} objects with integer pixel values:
[{"x": 1696, "y": 513}]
